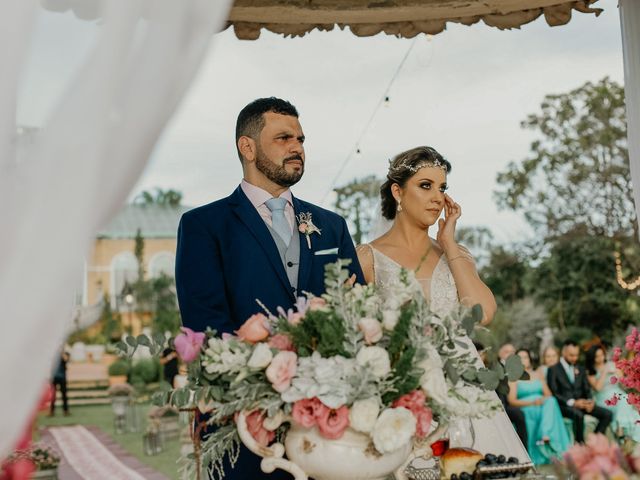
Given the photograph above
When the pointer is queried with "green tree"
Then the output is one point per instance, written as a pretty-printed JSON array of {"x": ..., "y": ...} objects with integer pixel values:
[
  {"x": 506, "y": 274},
  {"x": 155, "y": 295},
  {"x": 578, "y": 170},
  {"x": 356, "y": 202},
  {"x": 479, "y": 240},
  {"x": 165, "y": 198},
  {"x": 577, "y": 283}
]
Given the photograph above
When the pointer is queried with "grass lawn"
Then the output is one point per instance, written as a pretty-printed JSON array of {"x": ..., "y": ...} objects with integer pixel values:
[{"x": 101, "y": 416}]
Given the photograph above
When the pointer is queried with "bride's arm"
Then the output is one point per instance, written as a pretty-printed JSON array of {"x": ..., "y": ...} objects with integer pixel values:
[
  {"x": 471, "y": 288},
  {"x": 365, "y": 257}
]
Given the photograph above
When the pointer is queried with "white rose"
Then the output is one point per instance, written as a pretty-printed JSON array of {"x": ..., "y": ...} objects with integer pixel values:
[
  {"x": 393, "y": 429},
  {"x": 363, "y": 414},
  {"x": 390, "y": 318},
  {"x": 261, "y": 357},
  {"x": 376, "y": 358},
  {"x": 371, "y": 329}
]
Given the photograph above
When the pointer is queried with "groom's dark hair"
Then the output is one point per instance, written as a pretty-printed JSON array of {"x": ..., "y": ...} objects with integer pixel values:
[{"x": 251, "y": 118}]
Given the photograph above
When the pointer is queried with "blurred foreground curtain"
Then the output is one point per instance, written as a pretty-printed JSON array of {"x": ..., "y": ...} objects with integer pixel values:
[
  {"x": 630, "y": 23},
  {"x": 80, "y": 168}
]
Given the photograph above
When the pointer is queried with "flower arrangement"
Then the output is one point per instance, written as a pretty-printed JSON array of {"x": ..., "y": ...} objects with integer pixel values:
[
  {"x": 627, "y": 362},
  {"x": 380, "y": 363},
  {"x": 41, "y": 456},
  {"x": 597, "y": 459}
]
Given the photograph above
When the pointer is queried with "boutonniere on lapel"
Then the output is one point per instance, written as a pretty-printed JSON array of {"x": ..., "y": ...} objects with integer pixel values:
[{"x": 306, "y": 226}]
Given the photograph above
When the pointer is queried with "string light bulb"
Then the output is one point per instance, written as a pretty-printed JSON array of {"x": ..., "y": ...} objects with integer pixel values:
[{"x": 620, "y": 279}]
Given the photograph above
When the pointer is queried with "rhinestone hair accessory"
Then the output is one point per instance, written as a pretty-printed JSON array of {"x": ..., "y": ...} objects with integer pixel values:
[{"x": 405, "y": 165}]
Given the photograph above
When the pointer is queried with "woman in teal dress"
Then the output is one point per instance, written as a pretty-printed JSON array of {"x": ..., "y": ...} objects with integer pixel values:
[
  {"x": 547, "y": 436},
  {"x": 599, "y": 373}
]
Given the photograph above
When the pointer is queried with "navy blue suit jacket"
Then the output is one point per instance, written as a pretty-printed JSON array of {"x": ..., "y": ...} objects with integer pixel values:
[{"x": 226, "y": 259}]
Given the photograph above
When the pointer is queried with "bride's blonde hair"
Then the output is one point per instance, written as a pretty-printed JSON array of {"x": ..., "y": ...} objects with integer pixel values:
[{"x": 404, "y": 166}]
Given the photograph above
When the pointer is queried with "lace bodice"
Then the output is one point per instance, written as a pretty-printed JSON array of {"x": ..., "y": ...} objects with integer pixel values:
[{"x": 440, "y": 290}]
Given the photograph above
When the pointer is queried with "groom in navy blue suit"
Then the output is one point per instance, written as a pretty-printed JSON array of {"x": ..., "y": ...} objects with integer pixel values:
[{"x": 249, "y": 246}]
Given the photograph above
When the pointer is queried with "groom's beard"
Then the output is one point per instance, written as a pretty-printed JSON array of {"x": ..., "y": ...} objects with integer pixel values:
[{"x": 277, "y": 173}]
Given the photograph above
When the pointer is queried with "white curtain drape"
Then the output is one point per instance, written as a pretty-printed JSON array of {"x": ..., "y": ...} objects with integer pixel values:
[
  {"x": 80, "y": 168},
  {"x": 630, "y": 23}
]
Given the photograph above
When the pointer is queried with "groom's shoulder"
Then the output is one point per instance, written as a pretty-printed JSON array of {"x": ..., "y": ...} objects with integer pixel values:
[{"x": 214, "y": 209}]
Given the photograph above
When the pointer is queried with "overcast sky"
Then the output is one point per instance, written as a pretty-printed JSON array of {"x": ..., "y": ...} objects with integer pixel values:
[{"x": 463, "y": 92}]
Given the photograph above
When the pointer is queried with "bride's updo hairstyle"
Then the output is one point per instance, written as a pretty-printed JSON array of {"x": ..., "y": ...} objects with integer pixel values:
[{"x": 402, "y": 168}]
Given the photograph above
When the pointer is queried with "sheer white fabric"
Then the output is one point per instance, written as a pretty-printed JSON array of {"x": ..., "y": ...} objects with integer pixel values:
[
  {"x": 79, "y": 169},
  {"x": 630, "y": 23},
  {"x": 492, "y": 435}
]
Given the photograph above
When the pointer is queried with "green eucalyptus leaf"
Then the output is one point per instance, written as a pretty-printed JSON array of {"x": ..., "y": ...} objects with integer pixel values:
[
  {"x": 488, "y": 378},
  {"x": 122, "y": 347},
  {"x": 143, "y": 340},
  {"x": 159, "y": 338},
  {"x": 468, "y": 323},
  {"x": 514, "y": 368},
  {"x": 470, "y": 375},
  {"x": 131, "y": 341},
  {"x": 451, "y": 372},
  {"x": 476, "y": 313}
]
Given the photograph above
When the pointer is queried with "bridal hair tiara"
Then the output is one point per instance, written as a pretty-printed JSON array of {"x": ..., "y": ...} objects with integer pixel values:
[{"x": 405, "y": 165}]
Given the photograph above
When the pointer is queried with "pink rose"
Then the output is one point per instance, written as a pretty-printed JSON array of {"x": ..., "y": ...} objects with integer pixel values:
[
  {"x": 255, "y": 329},
  {"x": 333, "y": 422},
  {"x": 281, "y": 370},
  {"x": 415, "y": 403},
  {"x": 411, "y": 401},
  {"x": 254, "y": 424},
  {"x": 281, "y": 342},
  {"x": 302, "y": 228},
  {"x": 599, "y": 445},
  {"x": 371, "y": 330},
  {"x": 580, "y": 455},
  {"x": 306, "y": 411},
  {"x": 423, "y": 416},
  {"x": 188, "y": 344},
  {"x": 613, "y": 380},
  {"x": 316, "y": 303},
  {"x": 611, "y": 401}
]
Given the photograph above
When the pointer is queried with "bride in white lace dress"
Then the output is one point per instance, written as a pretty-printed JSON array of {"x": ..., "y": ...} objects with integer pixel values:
[{"x": 413, "y": 198}]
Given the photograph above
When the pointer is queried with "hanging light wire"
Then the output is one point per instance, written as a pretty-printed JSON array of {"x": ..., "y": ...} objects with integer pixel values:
[{"x": 383, "y": 100}]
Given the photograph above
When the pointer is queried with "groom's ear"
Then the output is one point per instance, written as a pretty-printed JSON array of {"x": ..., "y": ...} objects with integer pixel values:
[{"x": 247, "y": 148}]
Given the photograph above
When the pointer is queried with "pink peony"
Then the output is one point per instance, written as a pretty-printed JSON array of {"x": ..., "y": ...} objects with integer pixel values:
[
  {"x": 306, "y": 411},
  {"x": 333, "y": 422},
  {"x": 254, "y": 424},
  {"x": 281, "y": 370},
  {"x": 580, "y": 455},
  {"x": 188, "y": 344},
  {"x": 281, "y": 342},
  {"x": 255, "y": 329},
  {"x": 613, "y": 380}
]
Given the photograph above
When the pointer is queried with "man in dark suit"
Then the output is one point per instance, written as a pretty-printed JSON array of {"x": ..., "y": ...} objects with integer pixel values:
[
  {"x": 253, "y": 245},
  {"x": 515, "y": 414},
  {"x": 568, "y": 382}
]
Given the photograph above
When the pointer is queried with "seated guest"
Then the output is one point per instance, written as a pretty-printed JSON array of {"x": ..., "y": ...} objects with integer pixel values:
[
  {"x": 626, "y": 418},
  {"x": 550, "y": 357},
  {"x": 514, "y": 413},
  {"x": 547, "y": 436},
  {"x": 568, "y": 383}
]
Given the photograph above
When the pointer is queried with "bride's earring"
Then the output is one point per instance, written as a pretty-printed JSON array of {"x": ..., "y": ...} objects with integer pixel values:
[{"x": 399, "y": 207}]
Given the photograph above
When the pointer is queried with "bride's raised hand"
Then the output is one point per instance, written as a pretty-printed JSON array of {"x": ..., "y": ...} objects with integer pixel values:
[{"x": 447, "y": 227}]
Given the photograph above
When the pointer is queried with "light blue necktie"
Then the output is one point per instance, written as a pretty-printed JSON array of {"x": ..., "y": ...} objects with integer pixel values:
[
  {"x": 278, "y": 220},
  {"x": 570, "y": 372}
]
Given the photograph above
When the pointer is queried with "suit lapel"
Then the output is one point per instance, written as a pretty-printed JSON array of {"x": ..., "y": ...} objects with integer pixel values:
[
  {"x": 250, "y": 217},
  {"x": 306, "y": 253},
  {"x": 564, "y": 375}
]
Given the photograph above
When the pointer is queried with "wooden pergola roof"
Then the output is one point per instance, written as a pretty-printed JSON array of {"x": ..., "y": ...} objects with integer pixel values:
[{"x": 403, "y": 18}]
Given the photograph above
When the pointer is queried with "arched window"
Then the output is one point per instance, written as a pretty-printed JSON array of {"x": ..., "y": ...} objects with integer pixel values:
[
  {"x": 124, "y": 269},
  {"x": 163, "y": 262}
]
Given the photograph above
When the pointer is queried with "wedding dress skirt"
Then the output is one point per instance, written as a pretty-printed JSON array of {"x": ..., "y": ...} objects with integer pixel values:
[{"x": 492, "y": 435}]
